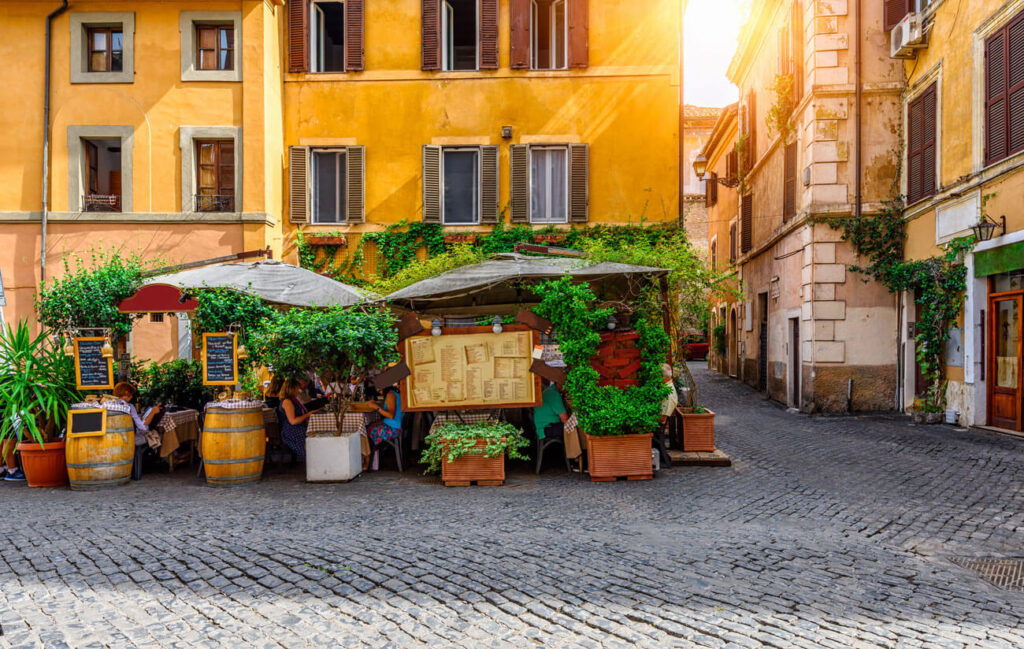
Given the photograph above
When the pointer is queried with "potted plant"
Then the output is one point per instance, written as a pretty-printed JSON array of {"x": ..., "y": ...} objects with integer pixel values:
[
  {"x": 338, "y": 342},
  {"x": 698, "y": 421},
  {"x": 37, "y": 388},
  {"x": 467, "y": 453}
]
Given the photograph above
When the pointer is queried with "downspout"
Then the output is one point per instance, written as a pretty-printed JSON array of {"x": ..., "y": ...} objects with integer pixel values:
[
  {"x": 46, "y": 138},
  {"x": 858, "y": 101}
]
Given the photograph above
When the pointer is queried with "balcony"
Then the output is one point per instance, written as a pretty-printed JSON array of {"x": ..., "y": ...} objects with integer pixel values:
[
  {"x": 215, "y": 202},
  {"x": 101, "y": 203}
]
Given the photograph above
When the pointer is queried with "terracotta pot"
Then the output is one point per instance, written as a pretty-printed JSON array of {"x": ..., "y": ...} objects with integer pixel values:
[
  {"x": 549, "y": 238},
  {"x": 475, "y": 467},
  {"x": 699, "y": 432},
  {"x": 619, "y": 456},
  {"x": 460, "y": 238},
  {"x": 324, "y": 240},
  {"x": 44, "y": 464}
]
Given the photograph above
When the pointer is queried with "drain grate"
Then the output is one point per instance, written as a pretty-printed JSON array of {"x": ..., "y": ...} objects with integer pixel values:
[{"x": 1007, "y": 574}]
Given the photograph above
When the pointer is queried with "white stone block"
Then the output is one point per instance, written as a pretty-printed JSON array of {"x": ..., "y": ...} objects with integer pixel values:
[
  {"x": 823, "y": 42},
  {"x": 829, "y": 273},
  {"x": 831, "y": 76},
  {"x": 807, "y": 274},
  {"x": 824, "y": 173},
  {"x": 824, "y": 253},
  {"x": 824, "y": 330},
  {"x": 829, "y": 351},
  {"x": 829, "y": 310},
  {"x": 829, "y": 194},
  {"x": 831, "y": 7},
  {"x": 828, "y": 59},
  {"x": 825, "y": 292}
]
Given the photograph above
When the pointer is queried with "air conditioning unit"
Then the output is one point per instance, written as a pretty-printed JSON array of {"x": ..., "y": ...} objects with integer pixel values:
[{"x": 907, "y": 36}]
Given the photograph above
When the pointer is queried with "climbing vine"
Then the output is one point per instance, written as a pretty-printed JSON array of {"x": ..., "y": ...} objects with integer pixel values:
[
  {"x": 778, "y": 119},
  {"x": 938, "y": 284}
]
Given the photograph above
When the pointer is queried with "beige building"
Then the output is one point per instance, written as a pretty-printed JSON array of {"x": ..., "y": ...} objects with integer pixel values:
[
  {"x": 698, "y": 122},
  {"x": 808, "y": 331}
]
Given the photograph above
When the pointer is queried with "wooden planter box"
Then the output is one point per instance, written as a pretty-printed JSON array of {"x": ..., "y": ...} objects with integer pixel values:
[
  {"x": 478, "y": 468},
  {"x": 620, "y": 456},
  {"x": 549, "y": 238},
  {"x": 699, "y": 432},
  {"x": 460, "y": 238},
  {"x": 325, "y": 240}
]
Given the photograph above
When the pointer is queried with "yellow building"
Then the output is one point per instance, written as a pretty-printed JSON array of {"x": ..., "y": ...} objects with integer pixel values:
[
  {"x": 193, "y": 130},
  {"x": 963, "y": 163}
]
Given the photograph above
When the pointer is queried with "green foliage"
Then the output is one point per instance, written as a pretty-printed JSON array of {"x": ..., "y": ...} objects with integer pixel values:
[
  {"x": 452, "y": 440},
  {"x": 37, "y": 383},
  {"x": 220, "y": 307},
  {"x": 87, "y": 296},
  {"x": 938, "y": 284},
  {"x": 779, "y": 113},
  {"x": 323, "y": 258},
  {"x": 718, "y": 338},
  {"x": 459, "y": 255},
  {"x": 398, "y": 245},
  {"x": 604, "y": 410},
  {"x": 178, "y": 382}
]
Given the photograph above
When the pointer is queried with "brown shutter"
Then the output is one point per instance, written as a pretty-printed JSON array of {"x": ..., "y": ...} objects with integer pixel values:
[
  {"x": 1015, "y": 85},
  {"x": 519, "y": 15},
  {"x": 789, "y": 182},
  {"x": 707, "y": 189},
  {"x": 488, "y": 34},
  {"x": 488, "y": 184},
  {"x": 747, "y": 223},
  {"x": 928, "y": 170},
  {"x": 895, "y": 10},
  {"x": 752, "y": 126},
  {"x": 431, "y": 34},
  {"x": 355, "y": 59},
  {"x": 797, "y": 49},
  {"x": 355, "y": 183},
  {"x": 915, "y": 136},
  {"x": 431, "y": 184},
  {"x": 995, "y": 98},
  {"x": 298, "y": 35},
  {"x": 714, "y": 254},
  {"x": 519, "y": 187},
  {"x": 579, "y": 30},
  {"x": 298, "y": 189},
  {"x": 732, "y": 242},
  {"x": 731, "y": 165},
  {"x": 579, "y": 182}
]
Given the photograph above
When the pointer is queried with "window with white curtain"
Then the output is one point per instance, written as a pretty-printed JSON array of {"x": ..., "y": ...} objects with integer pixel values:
[{"x": 549, "y": 184}]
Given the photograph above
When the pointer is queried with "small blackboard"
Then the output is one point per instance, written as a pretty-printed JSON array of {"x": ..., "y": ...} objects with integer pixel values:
[
  {"x": 220, "y": 361},
  {"x": 87, "y": 422},
  {"x": 92, "y": 370}
]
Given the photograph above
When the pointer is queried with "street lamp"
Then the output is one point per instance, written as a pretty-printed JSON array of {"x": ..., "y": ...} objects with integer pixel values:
[
  {"x": 986, "y": 227},
  {"x": 700, "y": 167}
]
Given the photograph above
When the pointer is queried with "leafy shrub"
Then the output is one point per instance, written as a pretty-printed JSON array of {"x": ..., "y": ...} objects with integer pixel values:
[
  {"x": 87, "y": 297},
  {"x": 178, "y": 382},
  {"x": 452, "y": 440}
]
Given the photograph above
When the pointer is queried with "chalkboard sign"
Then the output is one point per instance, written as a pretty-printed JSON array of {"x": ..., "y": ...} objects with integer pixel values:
[
  {"x": 220, "y": 362},
  {"x": 87, "y": 422},
  {"x": 92, "y": 370}
]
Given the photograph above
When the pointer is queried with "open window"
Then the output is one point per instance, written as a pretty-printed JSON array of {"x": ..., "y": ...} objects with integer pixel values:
[
  {"x": 215, "y": 176},
  {"x": 549, "y": 35},
  {"x": 459, "y": 34},
  {"x": 327, "y": 36},
  {"x": 101, "y": 175}
]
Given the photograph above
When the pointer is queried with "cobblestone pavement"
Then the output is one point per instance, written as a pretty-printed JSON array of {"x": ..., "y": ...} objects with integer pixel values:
[{"x": 827, "y": 532}]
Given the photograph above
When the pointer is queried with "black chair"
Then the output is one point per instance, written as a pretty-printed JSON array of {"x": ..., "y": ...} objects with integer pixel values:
[
  {"x": 396, "y": 444},
  {"x": 543, "y": 444}
]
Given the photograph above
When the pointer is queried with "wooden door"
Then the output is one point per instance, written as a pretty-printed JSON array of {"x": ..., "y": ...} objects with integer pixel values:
[{"x": 1005, "y": 391}]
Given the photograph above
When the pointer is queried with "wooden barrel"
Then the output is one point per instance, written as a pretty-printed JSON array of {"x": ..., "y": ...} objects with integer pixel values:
[
  {"x": 234, "y": 445},
  {"x": 101, "y": 461}
]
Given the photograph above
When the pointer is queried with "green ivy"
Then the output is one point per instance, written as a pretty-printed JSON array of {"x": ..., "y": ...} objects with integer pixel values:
[
  {"x": 323, "y": 259},
  {"x": 452, "y": 440},
  {"x": 398, "y": 245},
  {"x": 178, "y": 382}
]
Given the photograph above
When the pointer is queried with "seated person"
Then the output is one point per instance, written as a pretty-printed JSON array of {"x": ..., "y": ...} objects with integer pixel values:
[
  {"x": 294, "y": 418},
  {"x": 126, "y": 392},
  {"x": 273, "y": 398},
  {"x": 550, "y": 416},
  {"x": 390, "y": 425}
]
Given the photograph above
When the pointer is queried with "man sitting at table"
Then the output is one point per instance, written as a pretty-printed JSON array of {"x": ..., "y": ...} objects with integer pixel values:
[{"x": 550, "y": 416}]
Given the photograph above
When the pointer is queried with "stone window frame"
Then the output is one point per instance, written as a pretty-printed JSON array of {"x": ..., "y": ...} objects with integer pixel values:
[
  {"x": 76, "y": 162},
  {"x": 187, "y": 26},
  {"x": 80, "y": 21},
  {"x": 187, "y": 136}
]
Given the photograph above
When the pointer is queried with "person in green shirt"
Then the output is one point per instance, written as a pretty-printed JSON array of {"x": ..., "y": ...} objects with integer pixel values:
[{"x": 550, "y": 416}]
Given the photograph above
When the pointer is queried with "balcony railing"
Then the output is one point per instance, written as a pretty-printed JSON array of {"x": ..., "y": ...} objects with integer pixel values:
[
  {"x": 215, "y": 202},
  {"x": 101, "y": 203}
]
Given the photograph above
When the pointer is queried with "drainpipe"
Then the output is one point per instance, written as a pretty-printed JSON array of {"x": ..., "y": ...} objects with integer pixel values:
[
  {"x": 858, "y": 100},
  {"x": 46, "y": 138}
]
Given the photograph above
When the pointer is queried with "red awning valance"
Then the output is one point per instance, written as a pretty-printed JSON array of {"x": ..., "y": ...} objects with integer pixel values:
[{"x": 158, "y": 298}]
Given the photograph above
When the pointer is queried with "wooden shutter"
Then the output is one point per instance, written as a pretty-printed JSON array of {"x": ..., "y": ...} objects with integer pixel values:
[
  {"x": 747, "y": 223},
  {"x": 751, "y": 129},
  {"x": 732, "y": 166},
  {"x": 789, "y": 182},
  {"x": 298, "y": 189},
  {"x": 714, "y": 254},
  {"x": 488, "y": 184},
  {"x": 519, "y": 187},
  {"x": 488, "y": 34},
  {"x": 579, "y": 182},
  {"x": 579, "y": 33},
  {"x": 732, "y": 242},
  {"x": 995, "y": 98},
  {"x": 711, "y": 189},
  {"x": 298, "y": 35},
  {"x": 431, "y": 41},
  {"x": 1015, "y": 85},
  {"x": 355, "y": 59},
  {"x": 796, "y": 29},
  {"x": 355, "y": 183},
  {"x": 895, "y": 10},
  {"x": 915, "y": 138},
  {"x": 519, "y": 15},
  {"x": 431, "y": 184}
]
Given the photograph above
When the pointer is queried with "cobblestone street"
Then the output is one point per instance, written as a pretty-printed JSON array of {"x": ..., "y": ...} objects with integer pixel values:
[{"x": 826, "y": 532}]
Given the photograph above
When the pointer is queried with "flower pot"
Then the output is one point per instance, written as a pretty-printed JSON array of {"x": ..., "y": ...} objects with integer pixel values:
[
  {"x": 619, "y": 456},
  {"x": 549, "y": 238},
  {"x": 699, "y": 432},
  {"x": 335, "y": 458},
  {"x": 474, "y": 467},
  {"x": 44, "y": 464},
  {"x": 324, "y": 240}
]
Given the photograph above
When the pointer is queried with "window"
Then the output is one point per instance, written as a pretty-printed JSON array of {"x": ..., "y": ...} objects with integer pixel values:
[
  {"x": 101, "y": 175},
  {"x": 327, "y": 37},
  {"x": 747, "y": 223},
  {"x": 732, "y": 165},
  {"x": 215, "y": 176},
  {"x": 106, "y": 49},
  {"x": 1004, "y": 91},
  {"x": 460, "y": 173},
  {"x": 549, "y": 35},
  {"x": 711, "y": 189},
  {"x": 329, "y": 192},
  {"x": 215, "y": 47},
  {"x": 750, "y": 130},
  {"x": 156, "y": 317},
  {"x": 921, "y": 140},
  {"x": 459, "y": 35},
  {"x": 549, "y": 184},
  {"x": 789, "y": 207}
]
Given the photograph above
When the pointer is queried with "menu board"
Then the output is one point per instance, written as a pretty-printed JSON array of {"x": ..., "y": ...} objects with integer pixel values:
[
  {"x": 92, "y": 370},
  {"x": 87, "y": 422},
  {"x": 220, "y": 361},
  {"x": 471, "y": 368}
]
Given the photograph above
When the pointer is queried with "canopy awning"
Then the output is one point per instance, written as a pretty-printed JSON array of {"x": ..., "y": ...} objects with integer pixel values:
[{"x": 504, "y": 281}]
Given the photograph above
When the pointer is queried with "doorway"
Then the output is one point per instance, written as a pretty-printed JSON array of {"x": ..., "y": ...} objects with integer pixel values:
[
  {"x": 1005, "y": 393},
  {"x": 762, "y": 343},
  {"x": 733, "y": 343},
  {"x": 794, "y": 362}
]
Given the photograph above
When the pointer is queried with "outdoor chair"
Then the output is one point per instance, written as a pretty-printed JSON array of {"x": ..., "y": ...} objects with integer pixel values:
[
  {"x": 543, "y": 444},
  {"x": 396, "y": 444}
]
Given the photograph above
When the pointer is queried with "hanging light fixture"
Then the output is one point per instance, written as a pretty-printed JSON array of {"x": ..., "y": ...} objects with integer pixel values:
[
  {"x": 435, "y": 327},
  {"x": 496, "y": 325},
  {"x": 107, "y": 350},
  {"x": 612, "y": 323},
  {"x": 69, "y": 348},
  {"x": 986, "y": 227}
]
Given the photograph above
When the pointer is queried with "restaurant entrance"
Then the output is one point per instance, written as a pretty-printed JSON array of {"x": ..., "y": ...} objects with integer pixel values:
[{"x": 1005, "y": 333}]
